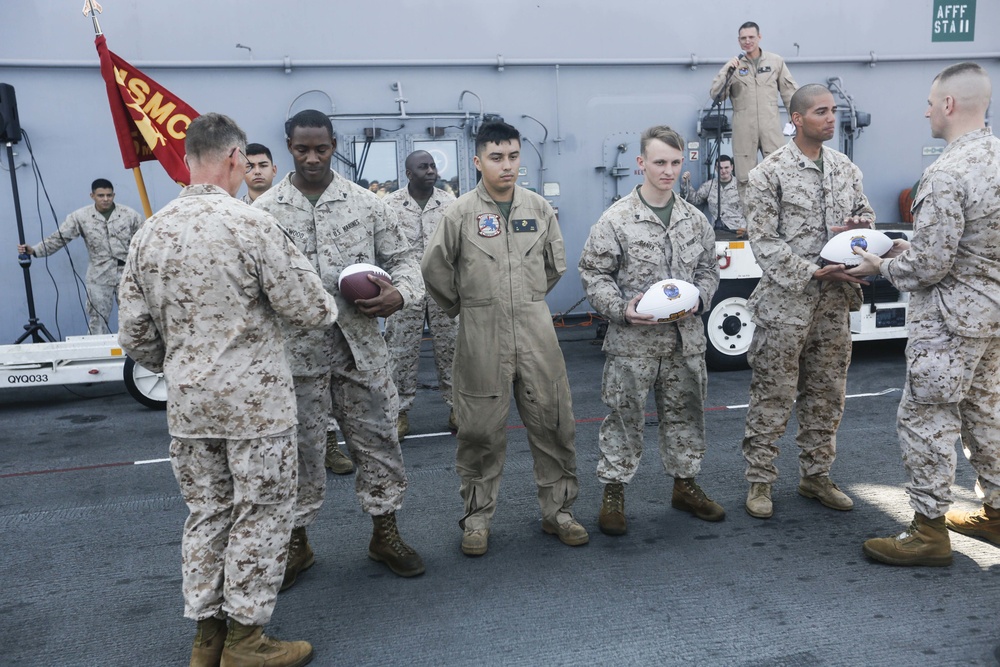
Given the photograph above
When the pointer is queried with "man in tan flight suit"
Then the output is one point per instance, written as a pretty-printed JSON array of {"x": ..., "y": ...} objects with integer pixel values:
[
  {"x": 493, "y": 257},
  {"x": 419, "y": 207},
  {"x": 951, "y": 268},
  {"x": 207, "y": 286},
  {"x": 106, "y": 228},
  {"x": 757, "y": 79}
]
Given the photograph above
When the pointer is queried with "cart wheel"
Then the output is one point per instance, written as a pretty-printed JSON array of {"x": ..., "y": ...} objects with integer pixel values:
[
  {"x": 145, "y": 386},
  {"x": 728, "y": 327}
]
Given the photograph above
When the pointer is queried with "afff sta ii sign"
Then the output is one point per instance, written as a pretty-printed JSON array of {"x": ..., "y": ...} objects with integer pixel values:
[{"x": 954, "y": 21}]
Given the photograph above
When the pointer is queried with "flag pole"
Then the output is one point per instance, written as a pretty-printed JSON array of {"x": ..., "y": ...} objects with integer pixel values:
[
  {"x": 90, "y": 5},
  {"x": 93, "y": 8},
  {"x": 146, "y": 208}
]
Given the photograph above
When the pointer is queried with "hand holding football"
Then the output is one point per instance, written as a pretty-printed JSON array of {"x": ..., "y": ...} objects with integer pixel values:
[
  {"x": 840, "y": 249},
  {"x": 668, "y": 300},
  {"x": 354, "y": 283}
]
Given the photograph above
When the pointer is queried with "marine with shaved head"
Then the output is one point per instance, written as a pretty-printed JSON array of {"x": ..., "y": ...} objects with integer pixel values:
[
  {"x": 951, "y": 267},
  {"x": 419, "y": 207},
  {"x": 797, "y": 199}
]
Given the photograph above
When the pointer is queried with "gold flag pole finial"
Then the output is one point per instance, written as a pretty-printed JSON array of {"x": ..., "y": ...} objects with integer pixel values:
[{"x": 92, "y": 8}]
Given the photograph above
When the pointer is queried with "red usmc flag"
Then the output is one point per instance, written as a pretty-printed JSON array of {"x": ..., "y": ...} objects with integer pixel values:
[{"x": 150, "y": 121}]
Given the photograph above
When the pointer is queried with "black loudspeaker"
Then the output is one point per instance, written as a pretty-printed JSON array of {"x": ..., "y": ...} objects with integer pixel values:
[{"x": 10, "y": 126}]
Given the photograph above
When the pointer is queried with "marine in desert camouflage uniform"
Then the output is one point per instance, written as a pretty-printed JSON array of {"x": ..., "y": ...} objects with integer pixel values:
[
  {"x": 260, "y": 172},
  {"x": 797, "y": 199},
  {"x": 645, "y": 237},
  {"x": 106, "y": 228},
  {"x": 206, "y": 287},
  {"x": 731, "y": 211},
  {"x": 419, "y": 208},
  {"x": 337, "y": 223},
  {"x": 951, "y": 268}
]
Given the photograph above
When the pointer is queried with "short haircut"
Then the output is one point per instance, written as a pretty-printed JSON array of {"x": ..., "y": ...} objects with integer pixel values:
[
  {"x": 412, "y": 157},
  {"x": 967, "y": 82},
  {"x": 665, "y": 134},
  {"x": 101, "y": 183},
  {"x": 804, "y": 96},
  {"x": 496, "y": 132},
  {"x": 961, "y": 68},
  {"x": 259, "y": 149},
  {"x": 724, "y": 158},
  {"x": 308, "y": 118},
  {"x": 749, "y": 24},
  {"x": 211, "y": 134}
]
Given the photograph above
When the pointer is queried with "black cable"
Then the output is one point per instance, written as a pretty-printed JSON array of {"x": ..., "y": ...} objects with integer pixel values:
[
  {"x": 360, "y": 170},
  {"x": 89, "y": 398}
]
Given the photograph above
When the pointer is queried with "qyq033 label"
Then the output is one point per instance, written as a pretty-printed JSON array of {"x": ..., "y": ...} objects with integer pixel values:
[{"x": 27, "y": 379}]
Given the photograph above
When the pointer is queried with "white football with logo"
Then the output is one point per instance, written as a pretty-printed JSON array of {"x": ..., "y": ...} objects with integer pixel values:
[
  {"x": 668, "y": 300},
  {"x": 840, "y": 249},
  {"x": 354, "y": 283}
]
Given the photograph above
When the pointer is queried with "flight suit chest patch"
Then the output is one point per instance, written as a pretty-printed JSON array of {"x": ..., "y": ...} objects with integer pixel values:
[
  {"x": 489, "y": 225},
  {"x": 526, "y": 225},
  {"x": 764, "y": 70}
]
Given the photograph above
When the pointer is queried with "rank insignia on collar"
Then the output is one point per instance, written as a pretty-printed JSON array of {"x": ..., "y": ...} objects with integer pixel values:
[
  {"x": 489, "y": 224},
  {"x": 526, "y": 225}
]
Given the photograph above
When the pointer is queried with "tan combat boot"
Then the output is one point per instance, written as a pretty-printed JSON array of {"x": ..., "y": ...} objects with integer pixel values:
[
  {"x": 388, "y": 547},
  {"x": 611, "y": 519},
  {"x": 475, "y": 541},
  {"x": 402, "y": 426},
  {"x": 452, "y": 421},
  {"x": 209, "y": 640},
  {"x": 248, "y": 646},
  {"x": 570, "y": 532},
  {"x": 984, "y": 523},
  {"x": 759, "y": 500},
  {"x": 299, "y": 559},
  {"x": 337, "y": 461},
  {"x": 689, "y": 497},
  {"x": 822, "y": 488},
  {"x": 925, "y": 542}
]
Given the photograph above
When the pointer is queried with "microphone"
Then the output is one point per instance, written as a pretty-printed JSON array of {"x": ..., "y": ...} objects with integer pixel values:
[{"x": 742, "y": 56}]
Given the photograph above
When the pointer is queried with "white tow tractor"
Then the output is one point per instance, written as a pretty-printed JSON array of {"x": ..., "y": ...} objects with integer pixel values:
[
  {"x": 80, "y": 360},
  {"x": 728, "y": 326}
]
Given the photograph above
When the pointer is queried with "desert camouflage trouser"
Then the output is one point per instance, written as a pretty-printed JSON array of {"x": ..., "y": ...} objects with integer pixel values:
[
  {"x": 952, "y": 393},
  {"x": 365, "y": 405},
  {"x": 680, "y": 385},
  {"x": 239, "y": 494},
  {"x": 805, "y": 367},
  {"x": 403, "y": 332},
  {"x": 100, "y": 300}
]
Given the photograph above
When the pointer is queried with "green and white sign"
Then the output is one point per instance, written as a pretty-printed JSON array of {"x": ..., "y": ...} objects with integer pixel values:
[{"x": 954, "y": 21}]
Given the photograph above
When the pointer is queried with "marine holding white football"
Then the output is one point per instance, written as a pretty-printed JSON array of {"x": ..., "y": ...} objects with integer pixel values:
[
  {"x": 668, "y": 300},
  {"x": 840, "y": 249}
]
